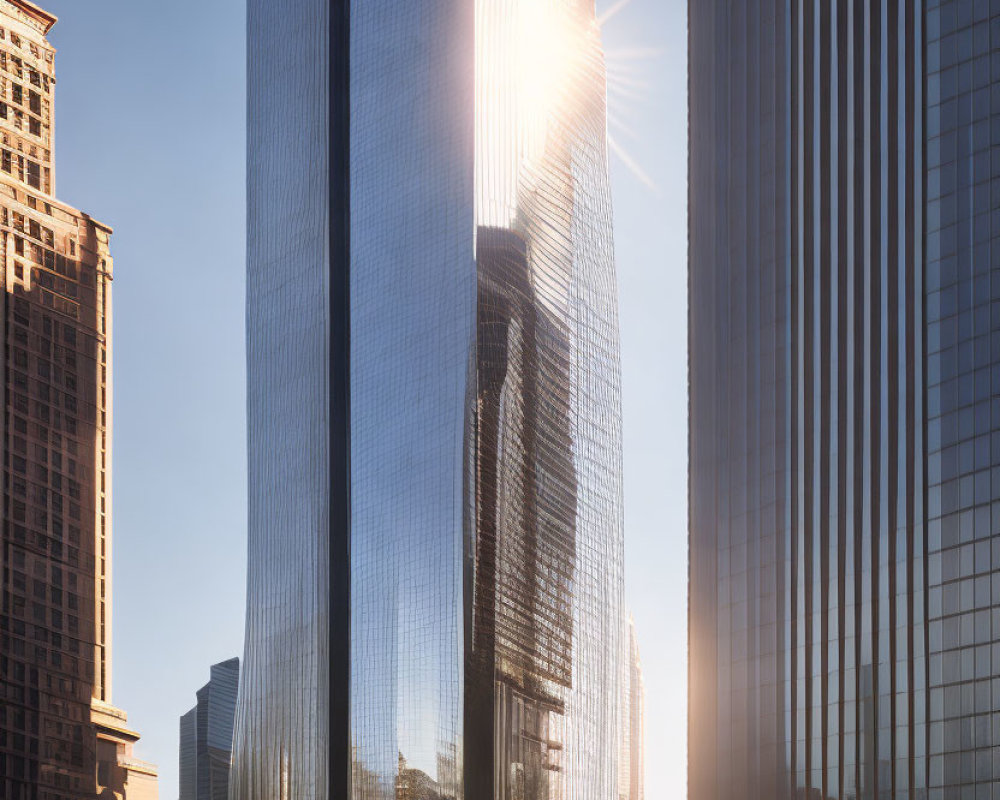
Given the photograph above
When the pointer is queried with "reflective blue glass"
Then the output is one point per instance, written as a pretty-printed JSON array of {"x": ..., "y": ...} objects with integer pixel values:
[{"x": 477, "y": 643}]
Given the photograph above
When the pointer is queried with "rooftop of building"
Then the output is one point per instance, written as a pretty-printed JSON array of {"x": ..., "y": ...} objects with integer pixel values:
[{"x": 37, "y": 13}]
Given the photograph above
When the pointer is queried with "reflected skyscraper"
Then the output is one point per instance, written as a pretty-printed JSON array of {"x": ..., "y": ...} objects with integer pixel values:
[
  {"x": 435, "y": 561},
  {"x": 845, "y": 422}
]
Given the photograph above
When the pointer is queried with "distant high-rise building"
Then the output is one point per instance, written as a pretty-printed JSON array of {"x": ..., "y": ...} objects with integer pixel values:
[
  {"x": 435, "y": 524},
  {"x": 206, "y": 736},
  {"x": 632, "y": 757},
  {"x": 60, "y": 737},
  {"x": 188, "y": 752},
  {"x": 845, "y": 399}
]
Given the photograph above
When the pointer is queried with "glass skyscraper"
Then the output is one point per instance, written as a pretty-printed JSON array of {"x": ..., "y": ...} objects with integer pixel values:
[
  {"x": 845, "y": 399},
  {"x": 435, "y": 556},
  {"x": 206, "y": 736}
]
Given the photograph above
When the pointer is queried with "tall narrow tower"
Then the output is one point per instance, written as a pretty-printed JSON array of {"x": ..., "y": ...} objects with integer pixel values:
[
  {"x": 58, "y": 730},
  {"x": 632, "y": 761},
  {"x": 435, "y": 554}
]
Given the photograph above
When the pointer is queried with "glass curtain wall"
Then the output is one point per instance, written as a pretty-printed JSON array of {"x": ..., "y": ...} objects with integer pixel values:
[
  {"x": 808, "y": 634},
  {"x": 483, "y": 546}
]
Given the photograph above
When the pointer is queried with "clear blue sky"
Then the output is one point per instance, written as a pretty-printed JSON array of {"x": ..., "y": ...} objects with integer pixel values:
[{"x": 150, "y": 139}]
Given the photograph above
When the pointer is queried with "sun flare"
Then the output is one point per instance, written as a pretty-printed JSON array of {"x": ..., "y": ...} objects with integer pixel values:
[{"x": 529, "y": 55}]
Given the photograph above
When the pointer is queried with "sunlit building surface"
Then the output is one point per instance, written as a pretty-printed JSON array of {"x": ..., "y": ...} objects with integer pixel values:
[
  {"x": 632, "y": 756},
  {"x": 206, "y": 736},
  {"x": 845, "y": 376},
  {"x": 60, "y": 737},
  {"x": 435, "y": 560}
]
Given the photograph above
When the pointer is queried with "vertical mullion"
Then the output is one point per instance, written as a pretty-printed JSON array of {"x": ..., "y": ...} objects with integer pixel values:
[{"x": 339, "y": 754}]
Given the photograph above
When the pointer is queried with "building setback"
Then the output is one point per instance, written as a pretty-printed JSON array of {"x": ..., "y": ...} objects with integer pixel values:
[
  {"x": 206, "y": 736},
  {"x": 58, "y": 729},
  {"x": 435, "y": 534},
  {"x": 845, "y": 421}
]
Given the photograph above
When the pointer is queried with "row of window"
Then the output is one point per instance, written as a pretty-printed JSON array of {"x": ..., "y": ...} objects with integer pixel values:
[
  {"x": 34, "y": 126},
  {"x": 69, "y": 655},
  {"x": 15, "y": 93},
  {"x": 59, "y": 276},
  {"x": 32, "y": 228},
  {"x": 44, "y": 394},
  {"x": 42, "y": 615},
  {"x": 42, "y": 567},
  {"x": 19, "y": 718},
  {"x": 47, "y": 372},
  {"x": 50, "y": 545},
  {"x": 24, "y": 169},
  {"x": 51, "y": 328},
  {"x": 43, "y": 434},
  {"x": 60, "y": 484},
  {"x": 58, "y": 422},
  {"x": 20, "y": 43},
  {"x": 69, "y": 290},
  {"x": 15, "y": 66}
]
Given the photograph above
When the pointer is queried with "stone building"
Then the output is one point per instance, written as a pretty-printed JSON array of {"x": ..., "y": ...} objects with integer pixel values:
[{"x": 60, "y": 736}]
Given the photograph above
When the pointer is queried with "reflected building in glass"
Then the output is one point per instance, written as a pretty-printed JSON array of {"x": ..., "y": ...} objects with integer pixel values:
[
  {"x": 845, "y": 421},
  {"x": 632, "y": 756},
  {"x": 435, "y": 558}
]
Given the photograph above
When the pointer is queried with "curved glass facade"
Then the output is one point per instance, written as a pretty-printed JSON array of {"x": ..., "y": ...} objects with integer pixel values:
[
  {"x": 284, "y": 702},
  {"x": 435, "y": 586},
  {"x": 413, "y": 294}
]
